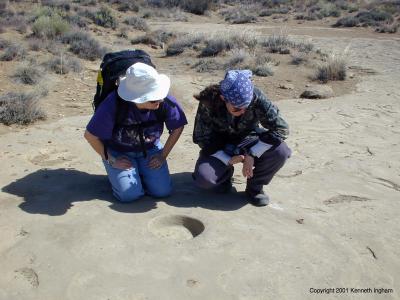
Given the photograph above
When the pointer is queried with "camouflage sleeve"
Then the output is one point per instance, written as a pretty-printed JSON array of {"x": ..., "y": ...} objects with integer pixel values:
[
  {"x": 203, "y": 133},
  {"x": 270, "y": 118}
]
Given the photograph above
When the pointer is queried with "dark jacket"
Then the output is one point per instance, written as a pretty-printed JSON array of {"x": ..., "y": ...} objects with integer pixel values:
[{"x": 215, "y": 127}]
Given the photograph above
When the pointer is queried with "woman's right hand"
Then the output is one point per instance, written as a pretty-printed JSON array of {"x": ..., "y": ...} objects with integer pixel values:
[
  {"x": 236, "y": 159},
  {"x": 120, "y": 162}
]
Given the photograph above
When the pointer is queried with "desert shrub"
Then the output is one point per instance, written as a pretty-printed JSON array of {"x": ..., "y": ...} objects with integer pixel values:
[
  {"x": 86, "y": 13},
  {"x": 348, "y": 21},
  {"x": 173, "y": 15},
  {"x": 63, "y": 64},
  {"x": 298, "y": 58},
  {"x": 83, "y": 45},
  {"x": 28, "y": 74},
  {"x": 272, "y": 11},
  {"x": 334, "y": 68},
  {"x": 86, "y": 2},
  {"x": 123, "y": 33},
  {"x": 20, "y": 108},
  {"x": 4, "y": 44},
  {"x": 387, "y": 28},
  {"x": 50, "y": 27},
  {"x": 278, "y": 43},
  {"x": 21, "y": 28},
  {"x": 372, "y": 18},
  {"x": 183, "y": 42},
  {"x": 207, "y": 64},
  {"x": 198, "y": 7},
  {"x": 137, "y": 23},
  {"x": 35, "y": 44},
  {"x": 125, "y": 5},
  {"x": 77, "y": 21},
  {"x": 12, "y": 20},
  {"x": 13, "y": 51},
  {"x": 262, "y": 70},
  {"x": 3, "y": 6},
  {"x": 46, "y": 11},
  {"x": 237, "y": 58},
  {"x": 364, "y": 18},
  {"x": 178, "y": 15},
  {"x": 2, "y": 30},
  {"x": 236, "y": 16},
  {"x": 263, "y": 59},
  {"x": 157, "y": 38},
  {"x": 216, "y": 45},
  {"x": 104, "y": 17},
  {"x": 305, "y": 47},
  {"x": 60, "y": 4}
]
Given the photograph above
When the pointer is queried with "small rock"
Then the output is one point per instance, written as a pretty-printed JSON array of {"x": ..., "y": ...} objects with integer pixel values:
[
  {"x": 317, "y": 92},
  {"x": 300, "y": 221}
]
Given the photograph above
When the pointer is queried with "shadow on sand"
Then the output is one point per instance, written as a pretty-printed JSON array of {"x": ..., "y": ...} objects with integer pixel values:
[{"x": 53, "y": 192}]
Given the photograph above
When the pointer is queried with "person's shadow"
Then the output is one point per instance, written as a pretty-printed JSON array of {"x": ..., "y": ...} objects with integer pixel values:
[{"x": 53, "y": 192}]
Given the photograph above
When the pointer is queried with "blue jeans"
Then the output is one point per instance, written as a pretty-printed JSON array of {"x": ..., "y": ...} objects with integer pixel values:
[{"x": 129, "y": 185}]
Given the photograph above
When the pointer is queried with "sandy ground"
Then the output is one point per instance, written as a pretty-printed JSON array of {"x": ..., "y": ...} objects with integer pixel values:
[{"x": 333, "y": 221}]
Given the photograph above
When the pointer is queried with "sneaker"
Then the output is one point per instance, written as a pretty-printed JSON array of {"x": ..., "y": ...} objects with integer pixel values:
[{"x": 259, "y": 199}]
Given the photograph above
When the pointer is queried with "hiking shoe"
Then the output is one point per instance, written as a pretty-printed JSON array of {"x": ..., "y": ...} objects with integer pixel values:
[
  {"x": 259, "y": 199},
  {"x": 224, "y": 187}
]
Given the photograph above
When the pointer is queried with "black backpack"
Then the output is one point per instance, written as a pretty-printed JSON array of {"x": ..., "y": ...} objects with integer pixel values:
[{"x": 113, "y": 66}]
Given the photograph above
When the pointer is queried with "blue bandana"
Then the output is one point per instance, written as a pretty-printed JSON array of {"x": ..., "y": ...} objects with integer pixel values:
[{"x": 237, "y": 88}]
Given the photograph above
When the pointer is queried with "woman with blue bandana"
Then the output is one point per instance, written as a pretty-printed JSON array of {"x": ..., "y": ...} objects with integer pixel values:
[{"x": 236, "y": 124}]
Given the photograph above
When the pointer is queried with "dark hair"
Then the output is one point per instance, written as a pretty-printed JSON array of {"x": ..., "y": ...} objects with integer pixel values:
[{"x": 210, "y": 96}]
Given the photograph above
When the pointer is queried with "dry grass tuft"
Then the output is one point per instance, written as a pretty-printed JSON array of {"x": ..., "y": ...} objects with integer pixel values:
[
  {"x": 334, "y": 68},
  {"x": 20, "y": 108}
]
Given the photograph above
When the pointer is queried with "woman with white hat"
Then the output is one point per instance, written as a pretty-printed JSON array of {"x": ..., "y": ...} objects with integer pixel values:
[{"x": 126, "y": 128}]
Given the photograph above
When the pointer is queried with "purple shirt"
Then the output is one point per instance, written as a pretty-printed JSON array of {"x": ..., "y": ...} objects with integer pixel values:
[{"x": 103, "y": 122}]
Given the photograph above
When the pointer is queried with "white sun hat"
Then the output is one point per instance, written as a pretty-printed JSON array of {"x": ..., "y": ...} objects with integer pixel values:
[{"x": 142, "y": 83}]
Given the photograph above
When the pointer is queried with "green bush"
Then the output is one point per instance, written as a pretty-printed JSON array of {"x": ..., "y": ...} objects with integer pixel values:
[
  {"x": 20, "y": 108},
  {"x": 50, "y": 27},
  {"x": 104, "y": 17}
]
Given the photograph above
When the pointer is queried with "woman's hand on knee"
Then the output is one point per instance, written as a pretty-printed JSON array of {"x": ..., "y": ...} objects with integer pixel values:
[
  {"x": 121, "y": 162},
  {"x": 248, "y": 165},
  {"x": 156, "y": 161},
  {"x": 236, "y": 159}
]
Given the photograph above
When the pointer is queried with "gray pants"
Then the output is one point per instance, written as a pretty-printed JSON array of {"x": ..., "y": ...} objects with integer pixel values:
[{"x": 210, "y": 172}]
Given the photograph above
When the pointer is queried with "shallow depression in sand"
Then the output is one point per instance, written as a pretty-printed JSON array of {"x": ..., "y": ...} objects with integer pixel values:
[{"x": 177, "y": 227}]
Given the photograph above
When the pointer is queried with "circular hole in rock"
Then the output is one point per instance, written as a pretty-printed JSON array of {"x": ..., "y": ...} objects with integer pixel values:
[{"x": 176, "y": 227}]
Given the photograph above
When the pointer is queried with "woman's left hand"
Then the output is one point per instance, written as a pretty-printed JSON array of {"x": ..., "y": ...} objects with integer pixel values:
[
  {"x": 248, "y": 165},
  {"x": 156, "y": 161}
]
